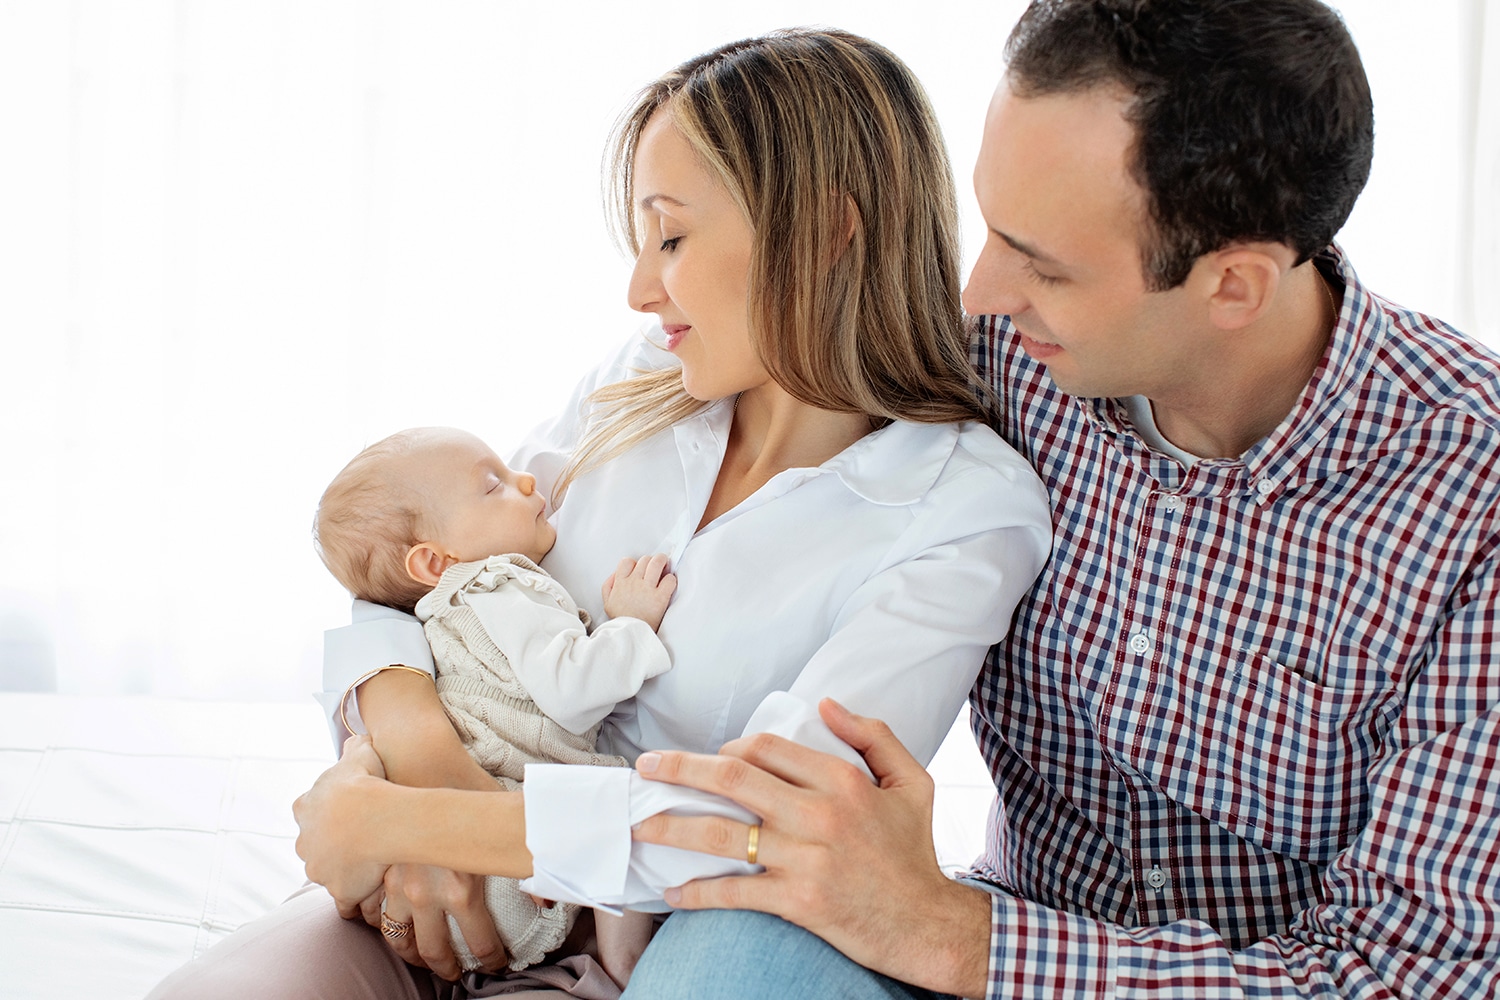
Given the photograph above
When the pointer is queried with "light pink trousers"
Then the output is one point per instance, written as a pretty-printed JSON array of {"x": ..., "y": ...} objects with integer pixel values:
[{"x": 303, "y": 950}]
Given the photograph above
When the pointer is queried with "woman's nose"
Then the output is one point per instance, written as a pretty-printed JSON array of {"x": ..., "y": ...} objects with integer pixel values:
[{"x": 645, "y": 293}]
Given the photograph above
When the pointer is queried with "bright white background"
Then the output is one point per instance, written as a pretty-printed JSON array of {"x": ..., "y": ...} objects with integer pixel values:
[{"x": 240, "y": 240}]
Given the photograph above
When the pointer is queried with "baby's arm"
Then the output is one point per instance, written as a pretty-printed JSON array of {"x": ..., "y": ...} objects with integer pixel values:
[
  {"x": 575, "y": 677},
  {"x": 640, "y": 588}
]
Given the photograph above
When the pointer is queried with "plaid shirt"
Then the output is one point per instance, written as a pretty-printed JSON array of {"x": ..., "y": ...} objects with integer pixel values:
[{"x": 1246, "y": 726}]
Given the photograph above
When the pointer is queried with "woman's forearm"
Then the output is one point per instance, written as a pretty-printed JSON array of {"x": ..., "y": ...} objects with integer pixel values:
[
  {"x": 413, "y": 736},
  {"x": 483, "y": 833}
]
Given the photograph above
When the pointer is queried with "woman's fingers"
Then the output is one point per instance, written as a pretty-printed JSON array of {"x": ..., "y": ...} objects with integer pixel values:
[
  {"x": 369, "y": 908},
  {"x": 359, "y": 755},
  {"x": 430, "y": 895},
  {"x": 481, "y": 937},
  {"x": 434, "y": 941}
]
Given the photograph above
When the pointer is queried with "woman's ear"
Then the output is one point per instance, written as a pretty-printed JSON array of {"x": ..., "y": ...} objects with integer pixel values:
[
  {"x": 851, "y": 220},
  {"x": 425, "y": 563},
  {"x": 1245, "y": 282}
]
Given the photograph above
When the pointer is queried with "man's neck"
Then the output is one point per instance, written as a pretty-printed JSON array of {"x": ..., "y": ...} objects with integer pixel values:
[{"x": 1223, "y": 414}]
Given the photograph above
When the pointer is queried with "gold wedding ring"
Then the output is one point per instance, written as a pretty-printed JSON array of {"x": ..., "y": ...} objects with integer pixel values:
[{"x": 752, "y": 849}]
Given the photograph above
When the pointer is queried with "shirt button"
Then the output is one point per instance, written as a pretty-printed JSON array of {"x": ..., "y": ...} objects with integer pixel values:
[
  {"x": 1156, "y": 878},
  {"x": 1140, "y": 642},
  {"x": 1264, "y": 486},
  {"x": 1173, "y": 504}
]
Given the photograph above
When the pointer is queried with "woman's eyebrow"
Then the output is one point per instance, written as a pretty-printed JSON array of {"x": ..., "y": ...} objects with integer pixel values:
[{"x": 652, "y": 199}]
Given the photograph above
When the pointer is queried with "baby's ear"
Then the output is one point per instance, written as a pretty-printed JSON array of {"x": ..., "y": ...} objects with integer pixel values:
[{"x": 425, "y": 564}]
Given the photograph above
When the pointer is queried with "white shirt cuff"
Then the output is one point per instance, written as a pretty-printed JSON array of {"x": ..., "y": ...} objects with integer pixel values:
[{"x": 594, "y": 862}]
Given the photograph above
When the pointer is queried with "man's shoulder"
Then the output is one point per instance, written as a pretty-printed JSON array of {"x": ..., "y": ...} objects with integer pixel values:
[{"x": 1438, "y": 368}]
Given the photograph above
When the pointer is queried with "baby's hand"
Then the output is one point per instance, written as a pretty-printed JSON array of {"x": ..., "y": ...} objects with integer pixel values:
[{"x": 640, "y": 588}]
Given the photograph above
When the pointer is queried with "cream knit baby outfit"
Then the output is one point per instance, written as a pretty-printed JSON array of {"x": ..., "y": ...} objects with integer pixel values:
[{"x": 523, "y": 681}]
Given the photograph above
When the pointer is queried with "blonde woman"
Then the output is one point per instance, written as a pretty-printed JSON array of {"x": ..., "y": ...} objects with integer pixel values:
[{"x": 798, "y": 431}]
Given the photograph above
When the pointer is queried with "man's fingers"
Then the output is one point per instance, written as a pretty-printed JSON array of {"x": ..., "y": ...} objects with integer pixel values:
[
  {"x": 717, "y": 835},
  {"x": 732, "y": 892},
  {"x": 889, "y": 761},
  {"x": 728, "y": 776},
  {"x": 792, "y": 762}
]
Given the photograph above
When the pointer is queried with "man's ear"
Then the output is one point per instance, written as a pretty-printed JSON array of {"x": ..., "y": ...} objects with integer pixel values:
[
  {"x": 425, "y": 563},
  {"x": 1244, "y": 284}
]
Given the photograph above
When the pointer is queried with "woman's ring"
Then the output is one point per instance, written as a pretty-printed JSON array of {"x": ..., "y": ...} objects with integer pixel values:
[
  {"x": 394, "y": 930},
  {"x": 752, "y": 849}
]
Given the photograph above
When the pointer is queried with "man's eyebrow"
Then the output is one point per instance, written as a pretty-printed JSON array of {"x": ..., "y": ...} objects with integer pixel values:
[{"x": 1028, "y": 249}]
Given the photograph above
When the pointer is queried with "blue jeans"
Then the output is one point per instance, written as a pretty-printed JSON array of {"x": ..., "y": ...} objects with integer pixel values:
[{"x": 742, "y": 955}]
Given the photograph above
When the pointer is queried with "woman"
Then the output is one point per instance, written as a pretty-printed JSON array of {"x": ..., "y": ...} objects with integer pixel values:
[{"x": 840, "y": 520}]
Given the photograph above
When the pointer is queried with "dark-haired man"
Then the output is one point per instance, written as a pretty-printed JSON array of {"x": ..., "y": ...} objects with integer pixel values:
[{"x": 1246, "y": 727}]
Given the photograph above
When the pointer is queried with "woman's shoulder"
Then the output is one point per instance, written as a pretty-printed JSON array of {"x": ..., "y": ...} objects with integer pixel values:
[
  {"x": 979, "y": 447},
  {"x": 984, "y": 482},
  {"x": 961, "y": 471}
]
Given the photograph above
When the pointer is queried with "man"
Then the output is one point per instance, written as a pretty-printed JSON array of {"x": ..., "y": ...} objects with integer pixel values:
[{"x": 1246, "y": 725}]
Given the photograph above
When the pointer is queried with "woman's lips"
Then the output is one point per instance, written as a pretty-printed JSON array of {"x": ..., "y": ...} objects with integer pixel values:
[{"x": 674, "y": 333}]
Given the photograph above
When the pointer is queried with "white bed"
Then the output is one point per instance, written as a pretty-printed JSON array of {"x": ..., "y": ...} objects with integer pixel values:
[{"x": 136, "y": 832}]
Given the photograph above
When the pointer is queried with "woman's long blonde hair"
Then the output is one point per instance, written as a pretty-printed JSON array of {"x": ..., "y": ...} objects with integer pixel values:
[{"x": 827, "y": 143}]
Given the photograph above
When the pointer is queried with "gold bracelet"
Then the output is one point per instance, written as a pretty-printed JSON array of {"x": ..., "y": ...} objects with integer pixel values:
[{"x": 344, "y": 701}]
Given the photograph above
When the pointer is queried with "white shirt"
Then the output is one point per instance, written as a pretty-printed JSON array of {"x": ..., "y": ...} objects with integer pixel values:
[{"x": 879, "y": 578}]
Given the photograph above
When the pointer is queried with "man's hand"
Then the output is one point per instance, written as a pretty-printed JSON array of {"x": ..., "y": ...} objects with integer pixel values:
[
  {"x": 851, "y": 861},
  {"x": 639, "y": 588}
]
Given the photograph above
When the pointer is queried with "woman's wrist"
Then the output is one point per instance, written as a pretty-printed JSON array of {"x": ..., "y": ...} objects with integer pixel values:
[{"x": 467, "y": 831}]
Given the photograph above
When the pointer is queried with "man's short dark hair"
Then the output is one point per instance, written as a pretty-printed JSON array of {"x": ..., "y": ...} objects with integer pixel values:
[{"x": 1253, "y": 117}]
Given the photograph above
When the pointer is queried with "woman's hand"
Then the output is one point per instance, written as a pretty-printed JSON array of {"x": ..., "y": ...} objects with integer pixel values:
[
  {"x": 329, "y": 819},
  {"x": 850, "y": 860},
  {"x": 425, "y": 896}
]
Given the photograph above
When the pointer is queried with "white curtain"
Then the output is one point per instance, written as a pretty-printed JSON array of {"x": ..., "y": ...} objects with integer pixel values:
[
  {"x": 1478, "y": 305},
  {"x": 240, "y": 240}
]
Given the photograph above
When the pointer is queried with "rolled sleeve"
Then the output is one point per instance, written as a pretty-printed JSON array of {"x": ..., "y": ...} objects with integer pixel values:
[
  {"x": 595, "y": 862},
  {"x": 378, "y": 637}
]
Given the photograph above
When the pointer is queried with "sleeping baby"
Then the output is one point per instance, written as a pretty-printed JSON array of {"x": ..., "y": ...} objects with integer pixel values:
[{"x": 429, "y": 520}]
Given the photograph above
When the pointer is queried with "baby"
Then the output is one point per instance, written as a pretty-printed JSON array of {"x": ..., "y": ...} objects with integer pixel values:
[{"x": 430, "y": 520}]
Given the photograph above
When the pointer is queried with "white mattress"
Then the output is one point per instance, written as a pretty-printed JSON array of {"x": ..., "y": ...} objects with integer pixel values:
[{"x": 136, "y": 832}]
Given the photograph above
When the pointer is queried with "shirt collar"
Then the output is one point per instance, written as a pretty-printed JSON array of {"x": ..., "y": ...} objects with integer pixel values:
[
  {"x": 1275, "y": 463},
  {"x": 897, "y": 464},
  {"x": 1346, "y": 362}
]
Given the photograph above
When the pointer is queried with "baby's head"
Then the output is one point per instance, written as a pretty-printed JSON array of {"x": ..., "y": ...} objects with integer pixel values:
[{"x": 409, "y": 506}]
